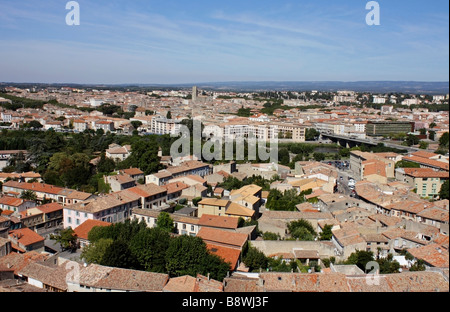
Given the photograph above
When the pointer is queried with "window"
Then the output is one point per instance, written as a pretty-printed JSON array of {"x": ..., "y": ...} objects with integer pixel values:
[
  {"x": 69, "y": 220},
  {"x": 192, "y": 227},
  {"x": 77, "y": 213},
  {"x": 78, "y": 222},
  {"x": 85, "y": 215}
]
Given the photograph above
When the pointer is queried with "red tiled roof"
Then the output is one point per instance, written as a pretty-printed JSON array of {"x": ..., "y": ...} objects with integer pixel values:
[
  {"x": 51, "y": 207},
  {"x": 11, "y": 201},
  {"x": 36, "y": 187},
  {"x": 433, "y": 254},
  {"x": 230, "y": 255},
  {"x": 429, "y": 162},
  {"x": 218, "y": 221},
  {"x": 83, "y": 229},
  {"x": 215, "y": 236},
  {"x": 425, "y": 173},
  {"x": 26, "y": 236}
]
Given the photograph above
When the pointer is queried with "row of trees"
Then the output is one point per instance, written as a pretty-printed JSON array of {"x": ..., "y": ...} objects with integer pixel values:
[
  {"x": 64, "y": 159},
  {"x": 132, "y": 245}
]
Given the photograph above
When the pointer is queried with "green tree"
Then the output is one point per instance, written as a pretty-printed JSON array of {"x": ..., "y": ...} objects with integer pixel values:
[
  {"x": 196, "y": 200},
  {"x": 119, "y": 255},
  {"x": 283, "y": 156},
  {"x": 360, "y": 258},
  {"x": 302, "y": 230},
  {"x": 419, "y": 265},
  {"x": 432, "y": 135},
  {"x": 149, "y": 246},
  {"x": 255, "y": 259},
  {"x": 105, "y": 164},
  {"x": 406, "y": 164},
  {"x": 444, "y": 193},
  {"x": 244, "y": 112},
  {"x": 67, "y": 239},
  {"x": 28, "y": 195},
  {"x": 169, "y": 115},
  {"x": 423, "y": 145},
  {"x": 136, "y": 124},
  {"x": 34, "y": 124},
  {"x": 326, "y": 233},
  {"x": 319, "y": 156},
  {"x": 187, "y": 255},
  {"x": 271, "y": 236},
  {"x": 144, "y": 155},
  {"x": 94, "y": 252},
  {"x": 165, "y": 222},
  {"x": 411, "y": 139},
  {"x": 444, "y": 140},
  {"x": 388, "y": 265}
]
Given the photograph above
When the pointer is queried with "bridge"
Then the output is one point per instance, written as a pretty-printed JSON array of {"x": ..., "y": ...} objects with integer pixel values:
[{"x": 349, "y": 142}]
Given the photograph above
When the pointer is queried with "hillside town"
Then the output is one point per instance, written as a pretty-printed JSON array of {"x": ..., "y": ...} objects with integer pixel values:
[{"x": 357, "y": 202}]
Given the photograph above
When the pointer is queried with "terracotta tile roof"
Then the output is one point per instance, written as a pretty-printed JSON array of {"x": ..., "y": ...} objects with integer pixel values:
[
  {"x": 435, "y": 214},
  {"x": 133, "y": 171},
  {"x": 215, "y": 236},
  {"x": 385, "y": 220},
  {"x": 51, "y": 207},
  {"x": 417, "y": 282},
  {"x": 433, "y": 254},
  {"x": 425, "y": 173},
  {"x": 52, "y": 276},
  {"x": 36, "y": 187},
  {"x": 122, "y": 279},
  {"x": 413, "y": 207},
  {"x": 372, "y": 167},
  {"x": 147, "y": 190},
  {"x": 218, "y": 221},
  {"x": 185, "y": 283},
  {"x": 348, "y": 236},
  {"x": 11, "y": 201},
  {"x": 298, "y": 282},
  {"x": 239, "y": 210},
  {"x": 84, "y": 228},
  {"x": 78, "y": 195},
  {"x": 306, "y": 254},
  {"x": 175, "y": 187},
  {"x": 429, "y": 162},
  {"x": 241, "y": 284},
  {"x": 18, "y": 261},
  {"x": 424, "y": 154},
  {"x": 7, "y": 212},
  {"x": 297, "y": 215},
  {"x": 206, "y": 284},
  {"x": 133, "y": 280},
  {"x": 25, "y": 236},
  {"x": 214, "y": 202},
  {"x": 229, "y": 255},
  {"x": 162, "y": 174}
]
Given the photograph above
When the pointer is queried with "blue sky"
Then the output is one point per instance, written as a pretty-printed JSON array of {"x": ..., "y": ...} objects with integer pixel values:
[{"x": 176, "y": 41}]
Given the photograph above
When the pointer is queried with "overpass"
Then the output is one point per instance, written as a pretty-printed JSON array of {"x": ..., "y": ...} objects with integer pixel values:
[{"x": 349, "y": 142}]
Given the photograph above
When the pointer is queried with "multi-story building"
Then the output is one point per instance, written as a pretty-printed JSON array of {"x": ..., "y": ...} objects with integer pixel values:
[
  {"x": 161, "y": 125},
  {"x": 111, "y": 208},
  {"x": 388, "y": 127},
  {"x": 183, "y": 225},
  {"x": 425, "y": 181}
]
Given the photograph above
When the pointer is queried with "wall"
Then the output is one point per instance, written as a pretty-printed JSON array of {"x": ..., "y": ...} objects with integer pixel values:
[{"x": 271, "y": 247}]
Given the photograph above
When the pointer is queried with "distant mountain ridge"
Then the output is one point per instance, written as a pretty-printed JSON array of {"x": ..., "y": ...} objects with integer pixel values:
[{"x": 410, "y": 87}]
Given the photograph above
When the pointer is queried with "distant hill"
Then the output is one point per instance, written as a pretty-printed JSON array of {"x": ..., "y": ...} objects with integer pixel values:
[{"x": 410, "y": 87}]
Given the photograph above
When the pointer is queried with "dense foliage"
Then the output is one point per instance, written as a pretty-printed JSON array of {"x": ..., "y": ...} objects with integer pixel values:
[{"x": 133, "y": 245}]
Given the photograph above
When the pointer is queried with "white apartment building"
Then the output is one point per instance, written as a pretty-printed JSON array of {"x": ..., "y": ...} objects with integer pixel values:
[
  {"x": 379, "y": 100},
  {"x": 161, "y": 125}
]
